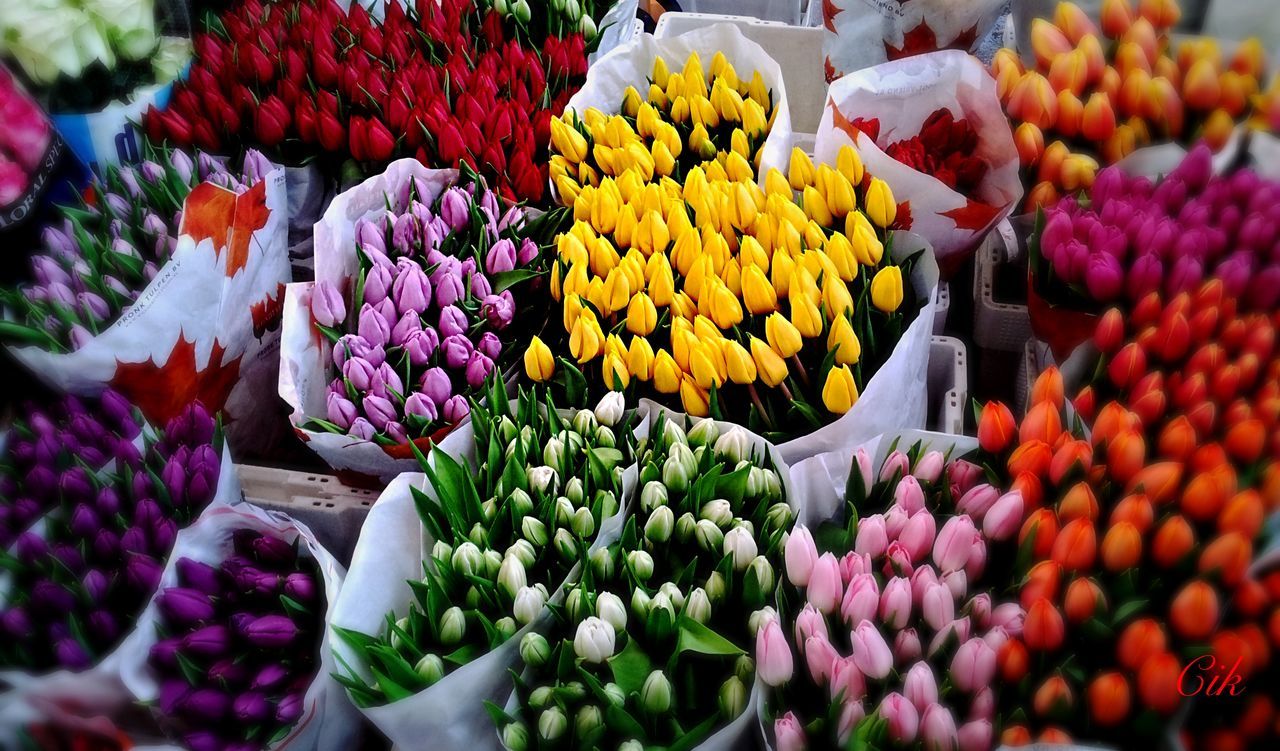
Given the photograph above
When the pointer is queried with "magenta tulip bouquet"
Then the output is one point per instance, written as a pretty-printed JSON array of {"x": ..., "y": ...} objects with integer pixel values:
[{"x": 882, "y": 640}]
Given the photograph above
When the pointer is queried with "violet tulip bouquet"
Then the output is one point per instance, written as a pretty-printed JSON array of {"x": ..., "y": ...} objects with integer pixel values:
[
  {"x": 424, "y": 325},
  {"x": 238, "y": 644},
  {"x": 1130, "y": 236},
  {"x": 883, "y": 640},
  {"x": 95, "y": 263},
  {"x": 649, "y": 647},
  {"x": 507, "y": 520},
  {"x": 111, "y": 495}
]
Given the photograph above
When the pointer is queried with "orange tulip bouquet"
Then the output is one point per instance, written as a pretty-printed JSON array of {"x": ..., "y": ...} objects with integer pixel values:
[{"x": 1092, "y": 91}]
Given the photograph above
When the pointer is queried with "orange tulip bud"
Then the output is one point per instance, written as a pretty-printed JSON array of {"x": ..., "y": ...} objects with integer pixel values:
[
  {"x": 1006, "y": 79},
  {"x": 1055, "y": 736},
  {"x": 1201, "y": 88},
  {"x": 1121, "y": 144},
  {"x": 996, "y": 427},
  {"x": 1048, "y": 42},
  {"x": 1043, "y": 629},
  {"x": 1042, "y": 423},
  {"x": 1250, "y": 59},
  {"x": 1244, "y": 513},
  {"x": 1235, "y": 93},
  {"x": 1158, "y": 683},
  {"x": 1198, "y": 48},
  {"x": 1069, "y": 72},
  {"x": 1204, "y": 497},
  {"x": 1112, "y": 420},
  {"x": 1257, "y": 717},
  {"x": 1177, "y": 439},
  {"x": 1173, "y": 540},
  {"x": 1141, "y": 133},
  {"x": 1073, "y": 21},
  {"x": 1165, "y": 67},
  {"x": 1229, "y": 648},
  {"x": 1051, "y": 162},
  {"x": 1012, "y": 660},
  {"x": 1043, "y": 582},
  {"x": 1085, "y": 403},
  {"x": 1030, "y": 487},
  {"x": 1043, "y": 524},
  {"x": 1029, "y": 141},
  {"x": 1099, "y": 119},
  {"x": 1076, "y": 546},
  {"x": 1256, "y": 641},
  {"x": 1229, "y": 555},
  {"x": 1078, "y": 173},
  {"x": 1132, "y": 99},
  {"x": 1194, "y": 612},
  {"x": 1015, "y": 736},
  {"x": 1130, "y": 58},
  {"x": 1033, "y": 100},
  {"x": 1109, "y": 83},
  {"x": 1163, "y": 14},
  {"x": 1109, "y": 698},
  {"x": 1139, "y": 641},
  {"x": 1165, "y": 106},
  {"x": 1246, "y": 440},
  {"x": 1136, "y": 509},
  {"x": 1208, "y": 457},
  {"x": 1121, "y": 547},
  {"x": 1095, "y": 61},
  {"x": 1053, "y": 698},
  {"x": 1250, "y": 599},
  {"x": 1217, "y": 129},
  {"x": 1033, "y": 457},
  {"x": 1072, "y": 456},
  {"x": 1126, "y": 455},
  {"x": 1159, "y": 481},
  {"x": 1007, "y": 58},
  {"x": 1143, "y": 34},
  {"x": 1117, "y": 16},
  {"x": 1128, "y": 366},
  {"x": 1083, "y": 600}
]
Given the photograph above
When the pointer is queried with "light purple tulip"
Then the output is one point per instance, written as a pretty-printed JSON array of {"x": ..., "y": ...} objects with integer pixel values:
[
  {"x": 362, "y": 429},
  {"x": 455, "y": 208},
  {"x": 452, "y": 321},
  {"x": 411, "y": 291},
  {"x": 456, "y": 350},
  {"x": 327, "y": 305},
  {"x": 436, "y": 386},
  {"x": 340, "y": 410},
  {"x": 377, "y": 284},
  {"x": 478, "y": 369},
  {"x": 420, "y": 345},
  {"x": 409, "y": 324},
  {"x": 456, "y": 410},
  {"x": 501, "y": 257},
  {"x": 499, "y": 310},
  {"x": 373, "y": 326},
  {"x": 420, "y": 406}
]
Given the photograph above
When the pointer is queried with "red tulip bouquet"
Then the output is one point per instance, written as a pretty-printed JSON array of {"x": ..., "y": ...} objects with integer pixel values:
[
  {"x": 1133, "y": 236},
  {"x": 447, "y": 83},
  {"x": 233, "y": 651},
  {"x": 887, "y": 639}
]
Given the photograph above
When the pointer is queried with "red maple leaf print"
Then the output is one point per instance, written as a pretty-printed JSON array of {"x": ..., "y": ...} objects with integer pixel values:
[
  {"x": 922, "y": 39},
  {"x": 829, "y": 13},
  {"x": 903, "y": 219},
  {"x": 161, "y": 390},
  {"x": 852, "y": 128},
  {"x": 228, "y": 220},
  {"x": 973, "y": 215},
  {"x": 266, "y": 312}
]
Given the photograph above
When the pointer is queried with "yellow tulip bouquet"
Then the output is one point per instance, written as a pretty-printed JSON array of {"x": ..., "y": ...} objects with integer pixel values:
[{"x": 683, "y": 278}]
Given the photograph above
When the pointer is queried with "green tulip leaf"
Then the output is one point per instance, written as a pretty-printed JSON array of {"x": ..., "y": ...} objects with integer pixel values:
[{"x": 630, "y": 667}]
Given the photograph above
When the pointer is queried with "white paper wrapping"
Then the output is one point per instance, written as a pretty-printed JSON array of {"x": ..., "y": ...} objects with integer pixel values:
[
  {"x": 631, "y": 64},
  {"x": 896, "y": 397},
  {"x": 306, "y": 355},
  {"x": 1264, "y": 154},
  {"x": 206, "y": 327},
  {"x": 63, "y": 695},
  {"x": 902, "y": 95},
  {"x": 392, "y": 547},
  {"x": 860, "y": 33},
  {"x": 328, "y": 722}
]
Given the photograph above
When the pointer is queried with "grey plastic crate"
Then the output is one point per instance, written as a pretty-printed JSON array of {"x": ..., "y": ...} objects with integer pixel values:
[
  {"x": 948, "y": 384},
  {"x": 333, "y": 511},
  {"x": 999, "y": 325}
]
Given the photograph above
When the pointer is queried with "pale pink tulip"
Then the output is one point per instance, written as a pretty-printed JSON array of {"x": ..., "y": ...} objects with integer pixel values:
[
  {"x": 825, "y": 586},
  {"x": 938, "y": 729},
  {"x": 1004, "y": 518},
  {"x": 773, "y": 655},
  {"x": 872, "y": 537},
  {"x": 895, "y": 603},
  {"x": 896, "y": 464},
  {"x": 906, "y": 647},
  {"x": 810, "y": 623},
  {"x": 929, "y": 467},
  {"x": 974, "y": 666},
  {"x": 918, "y": 535},
  {"x": 799, "y": 555},
  {"x": 920, "y": 686},
  {"x": 861, "y": 599},
  {"x": 847, "y": 681},
  {"x": 909, "y": 495},
  {"x": 870, "y": 652},
  {"x": 788, "y": 733},
  {"x": 851, "y": 713},
  {"x": 938, "y": 607},
  {"x": 954, "y": 544},
  {"x": 819, "y": 656},
  {"x": 975, "y": 735},
  {"x": 902, "y": 718}
]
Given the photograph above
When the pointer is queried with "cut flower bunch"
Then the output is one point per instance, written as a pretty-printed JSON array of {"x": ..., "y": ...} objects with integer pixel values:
[
  {"x": 747, "y": 303},
  {"x": 507, "y": 521},
  {"x": 649, "y": 646}
]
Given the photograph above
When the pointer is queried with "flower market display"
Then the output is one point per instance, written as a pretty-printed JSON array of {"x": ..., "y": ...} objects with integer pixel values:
[
  {"x": 652, "y": 645},
  {"x": 731, "y": 294},
  {"x": 94, "y": 501},
  {"x": 885, "y": 637},
  {"x": 1094, "y": 90},
  {"x": 589, "y": 374}
]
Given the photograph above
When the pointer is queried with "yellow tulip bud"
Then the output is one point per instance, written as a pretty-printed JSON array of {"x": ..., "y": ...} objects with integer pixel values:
[
  {"x": 840, "y": 197},
  {"x": 805, "y": 316},
  {"x": 651, "y": 235},
  {"x": 633, "y": 265},
  {"x": 567, "y": 190},
  {"x": 800, "y": 171},
  {"x": 758, "y": 293},
  {"x": 815, "y": 206},
  {"x": 849, "y": 164},
  {"x": 782, "y": 335},
  {"x": 617, "y": 292},
  {"x": 738, "y": 143},
  {"x": 752, "y": 253},
  {"x": 730, "y": 105},
  {"x": 640, "y": 358},
  {"x": 771, "y": 368},
  {"x": 788, "y": 238},
  {"x": 836, "y": 297},
  {"x": 642, "y": 315},
  {"x": 605, "y": 207},
  {"x": 630, "y": 101},
  {"x": 572, "y": 310},
  {"x": 839, "y": 392},
  {"x": 693, "y": 68},
  {"x": 784, "y": 267},
  {"x": 758, "y": 92},
  {"x": 703, "y": 368},
  {"x": 539, "y": 365},
  {"x": 603, "y": 256},
  {"x": 587, "y": 174},
  {"x": 805, "y": 284},
  {"x": 718, "y": 63},
  {"x": 556, "y": 290},
  {"x": 731, "y": 275},
  {"x": 886, "y": 289},
  {"x": 738, "y": 362},
  {"x": 569, "y": 248},
  {"x": 615, "y": 373},
  {"x": 682, "y": 344},
  {"x": 666, "y": 373},
  {"x": 641, "y": 160},
  {"x": 694, "y": 399},
  {"x": 575, "y": 282},
  {"x": 715, "y": 170},
  {"x": 700, "y": 272},
  {"x": 695, "y": 184},
  {"x": 881, "y": 208},
  {"x": 658, "y": 97},
  {"x": 593, "y": 118},
  {"x": 840, "y": 251},
  {"x": 684, "y": 306},
  {"x": 604, "y": 156},
  {"x": 844, "y": 342},
  {"x": 663, "y": 161},
  {"x": 624, "y": 232},
  {"x": 775, "y": 184},
  {"x": 754, "y": 121},
  {"x": 726, "y": 309},
  {"x": 595, "y": 293},
  {"x": 744, "y": 207},
  {"x": 676, "y": 89},
  {"x": 681, "y": 110},
  {"x": 567, "y": 141},
  {"x": 738, "y": 169},
  {"x": 715, "y": 247},
  {"x": 814, "y": 236},
  {"x": 586, "y": 340},
  {"x": 660, "y": 72}
]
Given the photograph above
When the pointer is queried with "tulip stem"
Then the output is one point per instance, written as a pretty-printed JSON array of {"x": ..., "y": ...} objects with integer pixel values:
[
  {"x": 786, "y": 391},
  {"x": 755, "y": 399},
  {"x": 804, "y": 375}
]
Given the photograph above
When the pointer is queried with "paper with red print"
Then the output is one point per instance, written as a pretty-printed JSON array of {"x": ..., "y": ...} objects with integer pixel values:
[
  {"x": 881, "y": 108},
  {"x": 861, "y": 33},
  {"x": 207, "y": 327}
]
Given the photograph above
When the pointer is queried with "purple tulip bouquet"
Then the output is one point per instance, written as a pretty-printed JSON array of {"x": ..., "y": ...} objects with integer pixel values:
[
  {"x": 883, "y": 638},
  {"x": 103, "y": 254},
  {"x": 239, "y": 642},
  {"x": 1133, "y": 236},
  {"x": 426, "y": 320},
  {"x": 650, "y": 646},
  {"x": 93, "y": 501}
]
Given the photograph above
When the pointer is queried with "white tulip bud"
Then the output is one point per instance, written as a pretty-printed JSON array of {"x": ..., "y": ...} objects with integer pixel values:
[
  {"x": 734, "y": 446},
  {"x": 528, "y": 605},
  {"x": 698, "y": 606},
  {"x": 718, "y": 512},
  {"x": 511, "y": 576},
  {"x": 594, "y": 640},
  {"x": 610, "y": 409},
  {"x": 610, "y": 609},
  {"x": 739, "y": 543}
]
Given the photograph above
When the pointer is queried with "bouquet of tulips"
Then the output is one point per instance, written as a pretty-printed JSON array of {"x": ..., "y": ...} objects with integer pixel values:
[
  {"x": 649, "y": 646},
  {"x": 108, "y": 495},
  {"x": 742, "y": 302},
  {"x": 446, "y": 83},
  {"x": 1133, "y": 237},
  {"x": 233, "y": 652},
  {"x": 1081, "y": 104},
  {"x": 419, "y": 275},
  {"x": 917, "y": 667},
  {"x": 24, "y": 146},
  {"x": 1131, "y": 552},
  {"x": 509, "y": 505},
  {"x": 933, "y": 130}
]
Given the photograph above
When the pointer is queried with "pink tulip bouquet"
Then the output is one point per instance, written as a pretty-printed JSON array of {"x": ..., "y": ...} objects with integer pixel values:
[{"x": 882, "y": 638}]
